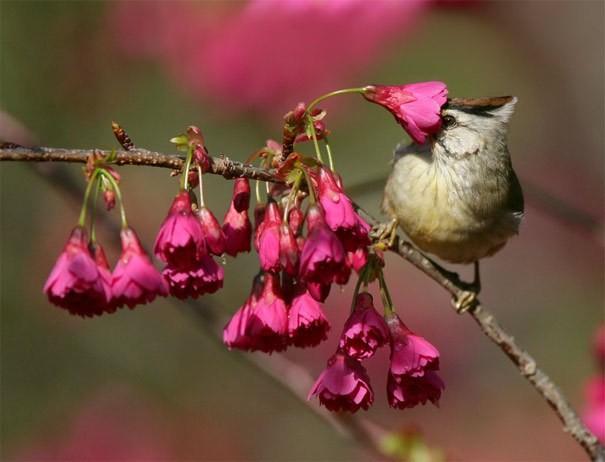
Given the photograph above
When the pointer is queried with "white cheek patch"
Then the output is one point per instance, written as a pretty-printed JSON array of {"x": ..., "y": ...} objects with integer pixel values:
[{"x": 461, "y": 141}]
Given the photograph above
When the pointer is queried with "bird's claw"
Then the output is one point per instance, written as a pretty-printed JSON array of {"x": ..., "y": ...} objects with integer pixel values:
[
  {"x": 464, "y": 301},
  {"x": 384, "y": 234}
]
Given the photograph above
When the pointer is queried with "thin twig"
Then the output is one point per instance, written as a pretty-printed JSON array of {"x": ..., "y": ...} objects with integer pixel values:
[{"x": 526, "y": 364}]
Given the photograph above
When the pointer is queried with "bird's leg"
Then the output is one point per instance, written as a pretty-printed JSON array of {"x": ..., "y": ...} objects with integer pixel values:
[
  {"x": 468, "y": 297},
  {"x": 385, "y": 234}
]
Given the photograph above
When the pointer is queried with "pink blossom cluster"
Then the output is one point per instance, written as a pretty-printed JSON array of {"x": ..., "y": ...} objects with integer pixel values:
[
  {"x": 298, "y": 268},
  {"x": 82, "y": 283},
  {"x": 412, "y": 378}
]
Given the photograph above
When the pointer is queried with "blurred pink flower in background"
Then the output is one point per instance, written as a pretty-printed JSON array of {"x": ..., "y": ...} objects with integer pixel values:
[
  {"x": 263, "y": 55},
  {"x": 594, "y": 409}
]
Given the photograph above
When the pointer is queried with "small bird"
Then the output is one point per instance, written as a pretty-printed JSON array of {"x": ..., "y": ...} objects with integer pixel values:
[{"x": 456, "y": 195}]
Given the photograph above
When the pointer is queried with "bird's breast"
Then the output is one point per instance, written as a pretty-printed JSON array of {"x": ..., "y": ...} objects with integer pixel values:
[{"x": 453, "y": 214}]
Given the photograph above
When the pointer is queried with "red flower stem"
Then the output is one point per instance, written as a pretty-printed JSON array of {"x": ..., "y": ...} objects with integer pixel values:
[
  {"x": 91, "y": 182},
  {"x": 114, "y": 185}
]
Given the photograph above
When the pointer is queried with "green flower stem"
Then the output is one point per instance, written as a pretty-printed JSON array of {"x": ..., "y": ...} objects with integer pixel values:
[
  {"x": 199, "y": 172},
  {"x": 329, "y": 151},
  {"x": 344, "y": 91},
  {"x": 116, "y": 188},
  {"x": 385, "y": 295},
  {"x": 312, "y": 198},
  {"x": 314, "y": 136},
  {"x": 91, "y": 182},
  {"x": 360, "y": 280},
  {"x": 185, "y": 175},
  {"x": 292, "y": 195},
  {"x": 93, "y": 213},
  {"x": 257, "y": 191}
]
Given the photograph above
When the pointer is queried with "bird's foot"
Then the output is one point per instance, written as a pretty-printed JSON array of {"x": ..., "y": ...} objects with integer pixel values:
[
  {"x": 467, "y": 298},
  {"x": 384, "y": 235},
  {"x": 464, "y": 301}
]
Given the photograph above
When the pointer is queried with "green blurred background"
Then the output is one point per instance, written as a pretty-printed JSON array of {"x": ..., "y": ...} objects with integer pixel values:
[{"x": 152, "y": 384}]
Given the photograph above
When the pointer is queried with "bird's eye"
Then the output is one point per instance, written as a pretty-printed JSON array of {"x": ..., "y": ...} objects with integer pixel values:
[{"x": 449, "y": 121}]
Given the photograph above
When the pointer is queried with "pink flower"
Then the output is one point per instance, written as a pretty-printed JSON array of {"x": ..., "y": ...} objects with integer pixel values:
[
  {"x": 357, "y": 260},
  {"x": 180, "y": 241},
  {"x": 75, "y": 282},
  {"x": 135, "y": 279},
  {"x": 411, "y": 355},
  {"x": 212, "y": 231},
  {"x": 236, "y": 224},
  {"x": 261, "y": 324},
  {"x": 204, "y": 277},
  {"x": 267, "y": 239},
  {"x": 338, "y": 209},
  {"x": 288, "y": 250},
  {"x": 343, "y": 386},
  {"x": 365, "y": 331},
  {"x": 318, "y": 290},
  {"x": 98, "y": 254},
  {"x": 295, "y": 219},
  {"x": 322, "y": 256},
  {"x": 594, "y": 409},
  {"x": 307, "y": 324},
  {"x": 416, "y": 107},
  {"x": 407, "y": 391}
]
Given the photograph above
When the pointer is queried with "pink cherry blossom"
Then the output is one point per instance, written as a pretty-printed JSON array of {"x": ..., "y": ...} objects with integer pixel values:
[
  {"x": 416, "y": 106},
  {"x": 288, "y": 250},
  {"x": 205, "y": 276},
  {"x": 261, "y": 324},
  {"x": 75, "y": 282},
  {"x": 236, "y": 224},
  {"x": 365, "y": 331},
  {"x": 407, "y": 391},
  {"x": 267, "y": 239},
  {"x": 323, "y": 255},
  {"x": 98, "y": 254},
  {"x": 318, "y": 290},
  {"x": 307, "y": 324},
  {"x": 135, "y": 279},
  {"x": 344, "y": 385},
  {"x": 180, "y": 241},
  {"x": 212, "y": 231},
  {"x": 411, "y": 355}
]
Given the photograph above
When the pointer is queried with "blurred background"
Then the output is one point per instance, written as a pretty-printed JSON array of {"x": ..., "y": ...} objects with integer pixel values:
[{"x": 153, "y": 383}]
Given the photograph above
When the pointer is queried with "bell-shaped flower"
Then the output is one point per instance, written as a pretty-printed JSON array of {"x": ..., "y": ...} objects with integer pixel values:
[
  {"x": 180, "y": 241},
  {"x": 407, "y": 391},
  {"x": 322, "y": 255},
  {"x": 204, "y": 277},
  {"x": 212, "y": 231},
  {"x": 267, "y": 239},
  {"x": 236, "y": 224},
  {"x": 135, "y": 280},
  {"x": 75, "y": 282},
  {"x": 344, "y": 385},
  {"x": 364, "y": 331},
  {"x": 261, "y": 324},
  {"x": 416, "y": 107},
  {"x": 307, "y": 324}
]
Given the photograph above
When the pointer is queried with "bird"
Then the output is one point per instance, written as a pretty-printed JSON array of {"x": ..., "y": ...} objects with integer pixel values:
[{"x": 456, "y": 196}]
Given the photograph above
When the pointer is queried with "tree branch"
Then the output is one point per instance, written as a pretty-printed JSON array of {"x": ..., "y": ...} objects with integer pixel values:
[{"x": 524, "y": 362}]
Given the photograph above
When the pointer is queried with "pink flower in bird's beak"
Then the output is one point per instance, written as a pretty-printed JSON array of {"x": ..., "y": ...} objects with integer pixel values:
[
  {"x": 416, "y": 106},
  {"x": 344, "y": 385},
  {"x": 365, "y": 331},
  {"x": 135, "y": 279},
  {"x": 76, "y": 282},
  {"x": 180, "y": 241}
]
